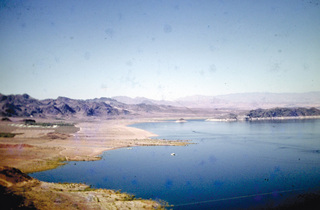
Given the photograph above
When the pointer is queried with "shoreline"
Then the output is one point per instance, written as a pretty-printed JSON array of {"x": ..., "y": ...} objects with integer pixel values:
[
  {"x": 34, "y": 149},
  {"x": 51, "y": 148},
  {"x": 286, "y": 118},
  {"x": 19, "y": 190},
  {"x": 91, "y": 140},
  {"x": 243, "y": 118}
]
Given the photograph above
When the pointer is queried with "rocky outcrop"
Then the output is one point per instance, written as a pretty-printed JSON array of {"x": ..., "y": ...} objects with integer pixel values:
[
  {"x": 20, "y": 191},
  {"x": 283, "y": 112}
]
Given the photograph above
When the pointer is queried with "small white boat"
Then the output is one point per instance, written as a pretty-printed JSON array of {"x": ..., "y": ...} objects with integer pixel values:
[
  {"x": 173, "y": 154},
  {"x": 181, "y": 120}
]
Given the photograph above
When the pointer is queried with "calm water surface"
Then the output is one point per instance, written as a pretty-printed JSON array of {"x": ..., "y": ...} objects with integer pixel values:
[{"x": 232, "y": 164}]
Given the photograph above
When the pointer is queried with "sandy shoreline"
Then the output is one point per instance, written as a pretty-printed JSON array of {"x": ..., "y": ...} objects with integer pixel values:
[
  {"x": 47, "y": 147},
  {"x": 36, "y": 149}
]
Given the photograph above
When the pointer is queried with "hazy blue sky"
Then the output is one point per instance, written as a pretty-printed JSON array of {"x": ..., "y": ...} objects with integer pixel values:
[{"x": 158, "y": 49}]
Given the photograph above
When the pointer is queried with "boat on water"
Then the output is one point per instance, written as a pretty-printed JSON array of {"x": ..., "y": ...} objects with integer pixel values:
[{"x": 181, "y": 120}]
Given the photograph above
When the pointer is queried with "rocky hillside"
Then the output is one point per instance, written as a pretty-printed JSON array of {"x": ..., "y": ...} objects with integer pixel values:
[
  {"x": 26, "y": 106},
  {"x": 283, "y": 112},
  {"x": 20, "y": 191},
  {"x": 62, "y": 107}
]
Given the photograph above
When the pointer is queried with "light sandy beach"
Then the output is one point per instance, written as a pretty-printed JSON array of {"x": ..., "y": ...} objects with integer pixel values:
[{"x": 42, "y": 149}]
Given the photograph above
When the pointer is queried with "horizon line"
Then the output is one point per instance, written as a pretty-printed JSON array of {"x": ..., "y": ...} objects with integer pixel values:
[{"x": 137, "y": 97}]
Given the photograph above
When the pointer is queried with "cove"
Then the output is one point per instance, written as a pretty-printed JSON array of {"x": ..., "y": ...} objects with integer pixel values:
[{"x": 231, "y": 165}]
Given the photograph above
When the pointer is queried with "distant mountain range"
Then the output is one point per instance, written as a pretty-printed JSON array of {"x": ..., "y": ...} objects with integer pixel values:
[
  {"x": 236, "y": 101},
  {"x": 121, "y": 106},
  {"x": 26, "y": 106}
]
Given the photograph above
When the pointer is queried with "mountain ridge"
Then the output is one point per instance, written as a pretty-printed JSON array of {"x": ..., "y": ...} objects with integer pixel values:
[
  {"x": 237, "y": 100},
  {"x": 23, "y": 105}
]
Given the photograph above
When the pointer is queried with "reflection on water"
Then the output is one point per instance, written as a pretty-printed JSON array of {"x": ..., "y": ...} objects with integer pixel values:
[{"x": 232, "y": 165}]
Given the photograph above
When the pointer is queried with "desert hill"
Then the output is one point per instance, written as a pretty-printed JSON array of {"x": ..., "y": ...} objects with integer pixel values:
[
  {"x": 120, "y": 107},
  {"x": 283, "y": 112},
  {"x": 26, "y": 106},
  {"x": 20, "y": 191}
]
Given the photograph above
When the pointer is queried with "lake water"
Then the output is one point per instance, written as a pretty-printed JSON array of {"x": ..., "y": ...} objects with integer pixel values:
[{"x": 232, "y": 165}]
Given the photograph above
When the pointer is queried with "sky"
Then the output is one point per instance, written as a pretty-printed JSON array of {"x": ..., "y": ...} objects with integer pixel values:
[{"x": 160, "y": 49}]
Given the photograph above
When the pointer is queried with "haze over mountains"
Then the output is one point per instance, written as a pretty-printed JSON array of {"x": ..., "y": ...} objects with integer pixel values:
[
  {"x": 121, "y": 106},
  {"x": 236, "y": 101}
]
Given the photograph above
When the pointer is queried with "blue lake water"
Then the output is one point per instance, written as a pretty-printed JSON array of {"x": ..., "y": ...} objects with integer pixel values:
[{"x": 232, "y": 164}]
